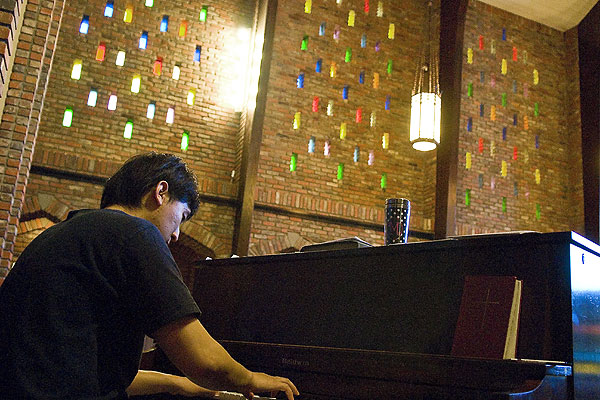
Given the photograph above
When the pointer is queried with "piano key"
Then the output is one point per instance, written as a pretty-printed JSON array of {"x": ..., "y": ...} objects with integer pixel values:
[{"x": 238, "y": 396}]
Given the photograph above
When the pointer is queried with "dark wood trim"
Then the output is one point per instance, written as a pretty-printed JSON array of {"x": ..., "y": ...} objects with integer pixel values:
[
  {"x": 331, "y": 219},
  {"x": 265, "y": 26},
  {"x": 452, "y": 26},
  {"x": 224, "y": 201},
  {"x": 68, "y": 175},
  {"x": 38, "y": 214},
  {"x": 100, "y": 181},
  {"x": 589, "y": 83}
]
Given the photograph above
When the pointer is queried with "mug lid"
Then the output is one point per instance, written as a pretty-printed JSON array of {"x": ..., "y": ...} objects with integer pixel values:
[{"x": 397, "y": 202}]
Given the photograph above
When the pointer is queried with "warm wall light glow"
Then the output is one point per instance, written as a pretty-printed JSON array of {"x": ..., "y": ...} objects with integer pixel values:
[
  {"x": 136, "y": 83},
  {"x": 76, "y": 71},
  {"x": 149, "y": 3},
  {"x": 238, "y": 90},
  {"x": 120, "y": 61},
  {"x": 425, "y": 110}
]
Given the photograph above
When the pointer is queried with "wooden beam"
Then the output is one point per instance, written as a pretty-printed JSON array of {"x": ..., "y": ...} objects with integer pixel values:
[
  {"x": 265, "y": 27},
  {"x": 452, "y": 24},
  {"x": 589, "y": 84}
]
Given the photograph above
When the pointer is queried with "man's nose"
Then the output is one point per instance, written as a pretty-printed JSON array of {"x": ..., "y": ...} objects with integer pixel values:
[{"x": 175, "y": 235}]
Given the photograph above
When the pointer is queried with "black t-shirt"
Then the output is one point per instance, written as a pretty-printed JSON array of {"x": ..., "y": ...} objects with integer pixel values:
[{"x": 76, "y": 305}]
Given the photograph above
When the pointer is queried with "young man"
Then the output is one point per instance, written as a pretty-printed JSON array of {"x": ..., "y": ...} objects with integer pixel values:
[{"x": 76, "y": 306}]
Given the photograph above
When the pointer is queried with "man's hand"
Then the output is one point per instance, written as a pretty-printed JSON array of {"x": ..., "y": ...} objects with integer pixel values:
[
  {"x": 263, "y": 383},
  {"x": 195, "y": 353}
]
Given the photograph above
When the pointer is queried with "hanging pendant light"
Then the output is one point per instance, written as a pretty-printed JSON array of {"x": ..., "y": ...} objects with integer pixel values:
[{"x": 426, "y": 102}]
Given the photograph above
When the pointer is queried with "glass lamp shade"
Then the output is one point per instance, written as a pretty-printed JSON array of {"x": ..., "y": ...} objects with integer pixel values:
[{"x": 425, "y": 111}]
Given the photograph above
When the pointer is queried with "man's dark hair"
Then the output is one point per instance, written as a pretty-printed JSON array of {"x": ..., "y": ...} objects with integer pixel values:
[{"x": 141, "y": 173}]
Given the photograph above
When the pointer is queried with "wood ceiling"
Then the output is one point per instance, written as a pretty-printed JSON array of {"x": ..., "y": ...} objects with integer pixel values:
[{"x": 558, "y": 14}]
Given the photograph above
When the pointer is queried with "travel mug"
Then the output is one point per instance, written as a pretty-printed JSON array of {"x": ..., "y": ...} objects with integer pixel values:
[{"x": 397, "y": 218}]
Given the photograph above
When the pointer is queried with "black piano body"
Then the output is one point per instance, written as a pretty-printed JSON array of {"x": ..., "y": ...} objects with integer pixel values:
[{"x": 378, "y": 322}]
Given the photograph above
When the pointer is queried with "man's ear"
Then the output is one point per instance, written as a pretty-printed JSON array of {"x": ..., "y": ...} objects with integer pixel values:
[{"x": 161, "y": 192}]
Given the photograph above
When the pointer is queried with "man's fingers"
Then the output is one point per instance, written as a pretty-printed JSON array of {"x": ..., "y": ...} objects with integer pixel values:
[{"x": 289, "y": 388}]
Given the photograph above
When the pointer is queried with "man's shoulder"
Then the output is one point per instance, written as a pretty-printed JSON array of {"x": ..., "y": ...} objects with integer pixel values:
[
  {"x": 105, "y": 215},
  {"x": 109, "y": 221}
]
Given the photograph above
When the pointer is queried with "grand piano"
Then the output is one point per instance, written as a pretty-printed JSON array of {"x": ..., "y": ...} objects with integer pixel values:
[{"x": 378, "y": 322}]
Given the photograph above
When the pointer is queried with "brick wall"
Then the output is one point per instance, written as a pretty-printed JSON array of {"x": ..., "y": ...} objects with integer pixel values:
[
  {"x": 11, "y": 21},
  {"x": 94, "y": 144},
  {"x": 19, "y": 125},
  {"x": 97, "y": 133},
  {"x": 533, "y": 133},
  {"x": 314, "y": 185},
  {"x": 274, "y": 237},
  {"x": 573, "y": 121}
]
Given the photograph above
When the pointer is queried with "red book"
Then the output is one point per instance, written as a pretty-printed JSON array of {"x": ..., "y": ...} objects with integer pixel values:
[{"x": 488, "y": 319}]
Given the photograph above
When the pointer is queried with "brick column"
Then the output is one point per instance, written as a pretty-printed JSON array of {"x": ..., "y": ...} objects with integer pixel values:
[{"x": 22, "y": 110}]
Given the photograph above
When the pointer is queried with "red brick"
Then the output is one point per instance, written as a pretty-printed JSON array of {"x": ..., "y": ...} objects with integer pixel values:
[
  {"x": 6, "y": 18},
  {"x": 5, "y": 33}
]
